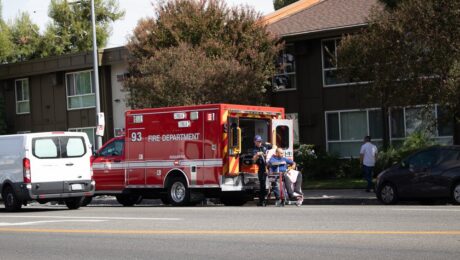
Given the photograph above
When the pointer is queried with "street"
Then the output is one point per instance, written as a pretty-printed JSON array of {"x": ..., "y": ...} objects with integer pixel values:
[{"x": 219, "y": 232}]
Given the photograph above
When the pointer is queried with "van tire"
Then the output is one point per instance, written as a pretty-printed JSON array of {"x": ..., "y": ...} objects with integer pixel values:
[
  {"x": 12, "y": 203},
  {"x": 73, "y": 203},
  {"x": 129, "y": 200},
  {"x": 86, "y": 201},
  {"x": 178, "y": 192}
]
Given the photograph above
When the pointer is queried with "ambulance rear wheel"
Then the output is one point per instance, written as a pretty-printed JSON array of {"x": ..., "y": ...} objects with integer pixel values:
[
  {"x": 178, "y": 192},
  {"x": 234, "y": 199},
  {"x": 129, "y": 200}
]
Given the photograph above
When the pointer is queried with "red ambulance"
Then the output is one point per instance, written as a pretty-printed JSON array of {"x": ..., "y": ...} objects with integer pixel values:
[{"x": 182, "y": 155}]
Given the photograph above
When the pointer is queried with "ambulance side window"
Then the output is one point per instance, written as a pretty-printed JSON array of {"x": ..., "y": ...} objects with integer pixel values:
[
  {"x": 282, "y": 136},
  {"x": 113, "y": 149}
]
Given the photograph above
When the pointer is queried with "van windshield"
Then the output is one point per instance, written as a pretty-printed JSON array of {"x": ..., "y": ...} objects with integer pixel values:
[{"x": 58, "y": 147}]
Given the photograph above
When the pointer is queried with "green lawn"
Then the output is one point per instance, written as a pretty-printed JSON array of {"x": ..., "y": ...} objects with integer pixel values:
[{"x": 334, "y": 184}]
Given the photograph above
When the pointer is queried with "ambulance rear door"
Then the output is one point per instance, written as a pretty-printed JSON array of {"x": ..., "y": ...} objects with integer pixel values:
[{"x": 283, "y": 136}]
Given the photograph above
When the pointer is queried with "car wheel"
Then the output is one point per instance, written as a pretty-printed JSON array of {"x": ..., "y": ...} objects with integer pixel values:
[
  {"x": 178, "y": 193},
  {"x": 387, "y": 194},
  {"x": 128, "y": 200},
  {"x": 73, "y": 203},
  {"x": 11, "y": 200},
  {"x": 456, "y": 194}
]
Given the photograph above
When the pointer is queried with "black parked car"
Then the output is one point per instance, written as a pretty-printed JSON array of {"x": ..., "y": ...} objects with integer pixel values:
[{"x": 433, "y": 173}]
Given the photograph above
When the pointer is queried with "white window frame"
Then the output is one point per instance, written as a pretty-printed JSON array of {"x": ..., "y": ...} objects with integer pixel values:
[
  {"x": 288, "y": 74},
  {"x": 336, "y": 68},
  {"x": 340, "y": 127},
  {"x": 80, "y": 129},
  {"x": 75, "y": 84},
  {"x": 436, "y": 137},
  {"x": 22, "y": 91}
]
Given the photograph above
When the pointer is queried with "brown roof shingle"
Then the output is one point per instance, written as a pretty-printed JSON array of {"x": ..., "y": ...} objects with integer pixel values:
[{"x": 325, "y": 15}]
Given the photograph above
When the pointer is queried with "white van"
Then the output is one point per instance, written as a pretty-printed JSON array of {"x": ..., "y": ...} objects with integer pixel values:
[{"x": 45, "y": 167}]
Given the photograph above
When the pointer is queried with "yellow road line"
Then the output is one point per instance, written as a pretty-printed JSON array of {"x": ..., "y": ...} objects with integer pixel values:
[{"x": 231, "y": 232}]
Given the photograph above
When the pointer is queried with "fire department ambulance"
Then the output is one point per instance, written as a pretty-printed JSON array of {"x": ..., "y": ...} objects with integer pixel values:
[{"x": 185, "y": 154}]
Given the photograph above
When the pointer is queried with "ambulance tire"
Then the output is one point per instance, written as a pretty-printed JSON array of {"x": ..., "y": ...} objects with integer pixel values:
[
  {"x": 178, "y": 192},
  {"x": 234, "y": 199},
  {"x": 129, "y": 200},
  {"x": 165, "y": 200},
  {"x": 86, "y": 201}
]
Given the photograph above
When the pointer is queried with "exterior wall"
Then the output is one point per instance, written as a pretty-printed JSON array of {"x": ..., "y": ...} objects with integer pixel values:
[
  {"x": 48, "y": 96},
  {"x": 311, "y": 99},
  {"x": 119, "y": 104}
]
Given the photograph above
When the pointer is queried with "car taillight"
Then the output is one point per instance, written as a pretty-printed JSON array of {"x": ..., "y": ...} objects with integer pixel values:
[{"x": 26, "y": 170}]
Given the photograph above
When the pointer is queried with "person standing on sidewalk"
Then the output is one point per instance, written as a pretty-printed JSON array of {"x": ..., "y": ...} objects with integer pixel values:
[
  {"x": 259, "y": 153},
  {"x": 368, "y": 157}
]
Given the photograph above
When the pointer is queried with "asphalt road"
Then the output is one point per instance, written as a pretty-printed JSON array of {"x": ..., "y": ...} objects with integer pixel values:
[{"x": 218, "y": 232}]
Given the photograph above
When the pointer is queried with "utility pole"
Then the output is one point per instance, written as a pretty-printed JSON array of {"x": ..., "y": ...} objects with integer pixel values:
[{"x": 99, "y": 118}]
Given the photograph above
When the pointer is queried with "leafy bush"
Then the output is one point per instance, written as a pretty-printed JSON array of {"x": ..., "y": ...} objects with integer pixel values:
[
  {"x": 412, "y": 143},
  {"x": 316, "y": 164}
]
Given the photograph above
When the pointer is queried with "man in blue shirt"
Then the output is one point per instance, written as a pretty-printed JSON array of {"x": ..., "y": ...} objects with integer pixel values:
[{"x": 279, "y": 163}]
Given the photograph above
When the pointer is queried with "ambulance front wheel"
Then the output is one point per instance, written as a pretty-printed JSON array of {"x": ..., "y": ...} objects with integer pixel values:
[{"x": 178, "y": 193}]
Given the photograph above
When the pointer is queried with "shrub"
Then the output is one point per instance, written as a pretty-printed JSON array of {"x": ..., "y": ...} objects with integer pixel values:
[{"x": 413, "y": 142}]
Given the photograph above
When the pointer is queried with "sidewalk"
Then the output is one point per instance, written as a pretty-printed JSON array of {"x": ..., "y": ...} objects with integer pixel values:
[{"x": 340, "y": 197}]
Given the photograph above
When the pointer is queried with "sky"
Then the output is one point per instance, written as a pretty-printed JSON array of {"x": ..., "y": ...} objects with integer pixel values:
[{"x": 134, "y": 10}]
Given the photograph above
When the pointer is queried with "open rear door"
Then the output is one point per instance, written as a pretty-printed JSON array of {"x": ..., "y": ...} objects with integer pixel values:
[{"x": 283, "y": 136}]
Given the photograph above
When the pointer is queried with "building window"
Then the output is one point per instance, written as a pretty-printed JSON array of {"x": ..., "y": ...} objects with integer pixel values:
[
  {"x": 22, "y": 96},
  {"x": 346, "y": 130},
  {"x": 285, "y": 77},
  {"x": 295, "y": 121},
  {"x": 80, "y": 90},
  {"x": 90, "y": 131},
  {"x": 407, "y": 120}
]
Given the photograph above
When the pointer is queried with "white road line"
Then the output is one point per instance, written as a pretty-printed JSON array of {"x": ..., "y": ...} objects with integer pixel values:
[
  {"x": 44, "y": 222},
  {"x": 105, "y": 218},
  {"x": 420, "y": 209}
]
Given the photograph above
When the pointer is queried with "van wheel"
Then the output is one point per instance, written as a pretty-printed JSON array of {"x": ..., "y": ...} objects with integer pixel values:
[
  {"x": 129, "y": 200},
  {"x": 456, "y": 194},
  {"x": 86, "y": 201},
  {"x": 11, "y": 200},
  {"x": 387, "y": 194},
  {"x": 73, "y": 203},
  {"x": 178, "y": 193}
]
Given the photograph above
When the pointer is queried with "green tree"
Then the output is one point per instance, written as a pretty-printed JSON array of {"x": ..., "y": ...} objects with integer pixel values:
[
  {"x": 6, "y": 45},
  {"x": 196, "y": 52},
  {"x": 70, "y": 29},
  {"x": 409, "y": 54},
  {"x": 26, "y": 39},
  {"x": 278, "y": 4}
]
